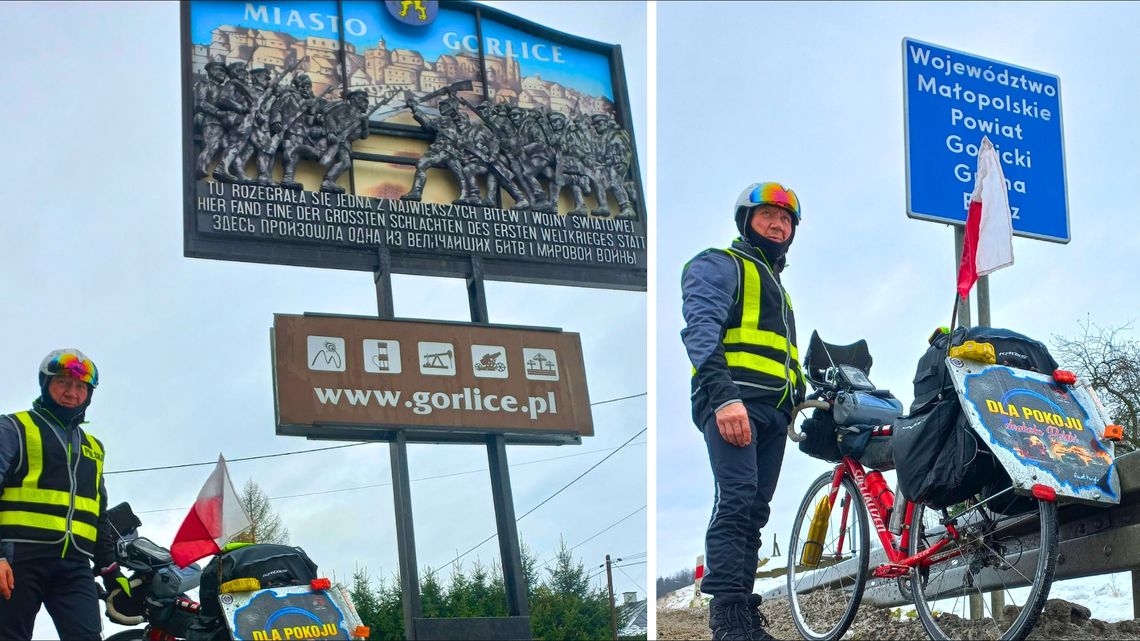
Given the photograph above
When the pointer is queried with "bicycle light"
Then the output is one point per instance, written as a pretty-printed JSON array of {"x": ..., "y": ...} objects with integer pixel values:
[
  {"x": 1064, "y": 377},
  {"x": 1044, "y": 493}
]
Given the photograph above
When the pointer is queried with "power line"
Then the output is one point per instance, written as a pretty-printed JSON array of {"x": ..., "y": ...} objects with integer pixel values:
[
  {"x": 619, "y": 567},
  {"x": 610, "y": 526},
  {"x": 422, "y": 478},
  {"x": 547, "y": 499},
  {"x": 317, "y": 449}
]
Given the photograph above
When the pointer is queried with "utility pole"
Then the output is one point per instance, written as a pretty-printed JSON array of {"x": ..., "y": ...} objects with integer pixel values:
[{"x": 613, "y": 610}]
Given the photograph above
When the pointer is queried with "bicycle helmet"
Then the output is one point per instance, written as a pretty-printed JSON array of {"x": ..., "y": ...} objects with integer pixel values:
[
  {"x": 68, "y": 362},
  {"x": 766, "y": 193}
]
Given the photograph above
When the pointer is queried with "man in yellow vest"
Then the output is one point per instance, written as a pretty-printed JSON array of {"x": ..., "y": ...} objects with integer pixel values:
[
  {"x": 52, "y": 507},
  {"x": 740, "y": 334}
]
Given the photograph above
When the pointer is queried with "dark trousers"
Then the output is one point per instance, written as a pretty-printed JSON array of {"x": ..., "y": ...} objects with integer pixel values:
[
  {"x": 65, "y": 586},
  {"x": 745, "y": 480}
]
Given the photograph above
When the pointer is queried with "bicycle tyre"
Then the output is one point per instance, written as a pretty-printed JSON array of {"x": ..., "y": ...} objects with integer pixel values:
[
  {"x": 859, "y": 518},
  {"x": 1027, "y": 617},
  {"x": 136, "y": 634}
]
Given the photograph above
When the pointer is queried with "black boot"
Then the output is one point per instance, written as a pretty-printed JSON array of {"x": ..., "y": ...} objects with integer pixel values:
[
  {"x": 729, "y": 618},
  {"x": 757, "y": 619}
]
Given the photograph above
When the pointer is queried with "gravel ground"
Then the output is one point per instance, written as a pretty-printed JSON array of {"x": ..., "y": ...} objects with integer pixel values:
[{"x": 1060, "y": 620}]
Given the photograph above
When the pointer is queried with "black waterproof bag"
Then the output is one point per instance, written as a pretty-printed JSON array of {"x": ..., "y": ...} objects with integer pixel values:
[
  {"x": 272, "y": 565},
  {"x": 939, "y": 460},
  {"x": 932, "y": 380},
  {"x": 821, "y": 439}
]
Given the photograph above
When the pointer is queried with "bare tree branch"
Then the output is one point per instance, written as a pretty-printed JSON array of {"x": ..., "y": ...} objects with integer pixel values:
[{"x": 1110, "y": 360}]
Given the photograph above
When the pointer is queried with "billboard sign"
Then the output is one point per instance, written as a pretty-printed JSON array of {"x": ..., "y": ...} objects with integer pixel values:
[
  {"x": 341, "y": 376},
  {"x": 951, "y": 100},
  {"x": 320, "y": 133}
]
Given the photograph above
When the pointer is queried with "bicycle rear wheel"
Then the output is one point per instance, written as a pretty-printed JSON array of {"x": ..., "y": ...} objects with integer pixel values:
[
  {"x": 827, "y": 563},
  {"x": 996, "y": 585}
]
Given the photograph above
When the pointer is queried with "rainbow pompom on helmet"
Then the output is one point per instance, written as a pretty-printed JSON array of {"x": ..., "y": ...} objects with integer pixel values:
[
  {"x": 767, "y": 193},
  {"x": 69, "y": 362}
]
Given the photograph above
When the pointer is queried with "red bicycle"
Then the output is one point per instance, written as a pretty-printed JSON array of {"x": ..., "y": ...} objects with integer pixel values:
[{"x": 976, "y": 570}]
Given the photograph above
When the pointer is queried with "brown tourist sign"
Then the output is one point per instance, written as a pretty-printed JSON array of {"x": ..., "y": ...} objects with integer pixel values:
[{"x": 342, "y": 376}]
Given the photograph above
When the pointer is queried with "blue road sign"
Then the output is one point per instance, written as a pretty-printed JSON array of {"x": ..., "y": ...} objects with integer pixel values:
[{"x": 951, "y": 100}]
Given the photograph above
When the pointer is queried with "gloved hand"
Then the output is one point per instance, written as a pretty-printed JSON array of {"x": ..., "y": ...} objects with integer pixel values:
[{"x": 113, "y": 578}]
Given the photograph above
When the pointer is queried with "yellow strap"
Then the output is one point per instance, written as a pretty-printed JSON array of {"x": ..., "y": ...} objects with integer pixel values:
[
  {"x": 35, "y": 448},
  {"x": 747, "y": 360},
  {"x": 46, "y": 522},
  {"x": 750, "y": 320},
  {"x": 98, "y": 471},
  {"x": 761, "y": 338},
  {"x": 49, "y": 497}
]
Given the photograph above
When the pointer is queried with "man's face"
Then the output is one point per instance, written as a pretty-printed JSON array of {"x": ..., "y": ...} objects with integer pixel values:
[
  {"x": 67, "y": 391},
  {"x": 772, "y": 222},
  {"x": 217, "y": 74},
  {"x": 360, "y": 102}
]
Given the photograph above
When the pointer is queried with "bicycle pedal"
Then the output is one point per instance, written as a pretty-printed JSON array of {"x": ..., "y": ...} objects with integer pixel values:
[{"x": 891, "y": 571}]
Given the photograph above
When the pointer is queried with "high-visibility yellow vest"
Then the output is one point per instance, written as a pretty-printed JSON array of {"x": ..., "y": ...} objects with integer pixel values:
[
  {"x": 760, "y": 338},
  {"x": 52, "y": 496}
]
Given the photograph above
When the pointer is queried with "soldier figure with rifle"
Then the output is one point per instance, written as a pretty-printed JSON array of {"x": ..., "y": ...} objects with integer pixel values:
[
  {"x": 236, "y": 102},
  {"x": 572, "y": 153},
  {"x": 497, "y": 161},
  {"x": 612, "y": 153},
  {"x": 207, "y": 115},
  {"x": 246, "y": 103},
  {"x": 345, "y": 121},
  {"x": 299, "y": 125},
  {"x": 447, "y": 148}
]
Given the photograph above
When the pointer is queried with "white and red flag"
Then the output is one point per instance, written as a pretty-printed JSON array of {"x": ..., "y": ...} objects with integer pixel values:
[
  {"x": 216, "y": 517},
  {"x": 988, "y": 245}
]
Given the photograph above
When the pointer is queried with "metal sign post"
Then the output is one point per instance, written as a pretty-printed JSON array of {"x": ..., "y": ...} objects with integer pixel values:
[{"x": 517, "y": 623}]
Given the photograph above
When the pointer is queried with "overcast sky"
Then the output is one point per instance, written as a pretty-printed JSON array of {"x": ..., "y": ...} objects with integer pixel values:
[
  {"x": 812, "y": 95},
  {"x": 91, "y": 244}
]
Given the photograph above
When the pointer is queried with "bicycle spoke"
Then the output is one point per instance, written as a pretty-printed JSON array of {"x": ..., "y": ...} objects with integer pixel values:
[{"x": 826, "y": 580}]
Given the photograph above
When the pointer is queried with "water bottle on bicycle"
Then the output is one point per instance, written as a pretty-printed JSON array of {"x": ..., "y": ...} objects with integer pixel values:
[{"x": 988, "y": 449}]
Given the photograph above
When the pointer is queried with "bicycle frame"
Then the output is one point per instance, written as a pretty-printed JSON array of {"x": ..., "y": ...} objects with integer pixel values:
[{"x": 899, "y": 563}]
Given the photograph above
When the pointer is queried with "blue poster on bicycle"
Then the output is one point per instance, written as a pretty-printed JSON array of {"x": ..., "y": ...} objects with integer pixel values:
[{"x": 1041, "y": 432}]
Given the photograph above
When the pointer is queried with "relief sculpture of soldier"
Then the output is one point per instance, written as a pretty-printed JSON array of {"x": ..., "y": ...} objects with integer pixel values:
[
  {"x": 613, "y": 152},
  {"x": 208, "y": 116},
  {"x": 491, "y": 155},
  {"x": 446, "y": 150},
  {"x": 236, "y": 103},
  {"x": 344, "y": 121},
  {"x": 259, "y": 138}
]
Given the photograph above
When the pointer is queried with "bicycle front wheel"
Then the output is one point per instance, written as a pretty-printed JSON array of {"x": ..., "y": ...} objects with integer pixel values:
[
  {"x": 827, "y": 559},
  {"x": 991, "y": 582}
]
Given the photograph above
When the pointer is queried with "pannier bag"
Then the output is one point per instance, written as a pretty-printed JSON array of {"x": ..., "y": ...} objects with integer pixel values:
[
  {"x": 272, "y": 565},
  {"x": 871, "y": 445},
  {"x": 943, "y": 461},
  {"x": 940, "y": 461}
]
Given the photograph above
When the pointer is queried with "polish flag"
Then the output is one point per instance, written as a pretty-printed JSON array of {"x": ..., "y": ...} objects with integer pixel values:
[
  {"x": 216, "y": 517},
  {"x": 989, "y": 226}
]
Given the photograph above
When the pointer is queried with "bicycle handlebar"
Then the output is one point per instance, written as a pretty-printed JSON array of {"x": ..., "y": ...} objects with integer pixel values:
[{"x": 800, "y": 436}]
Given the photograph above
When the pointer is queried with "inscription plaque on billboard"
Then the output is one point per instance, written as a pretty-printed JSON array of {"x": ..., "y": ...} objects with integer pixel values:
[
  {"x": 338, "y": 376},
  {"x": 322, "y": 133}
]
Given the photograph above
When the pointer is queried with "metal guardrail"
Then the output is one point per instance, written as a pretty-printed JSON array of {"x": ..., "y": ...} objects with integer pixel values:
[{"x": 1094, "y": 540}]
